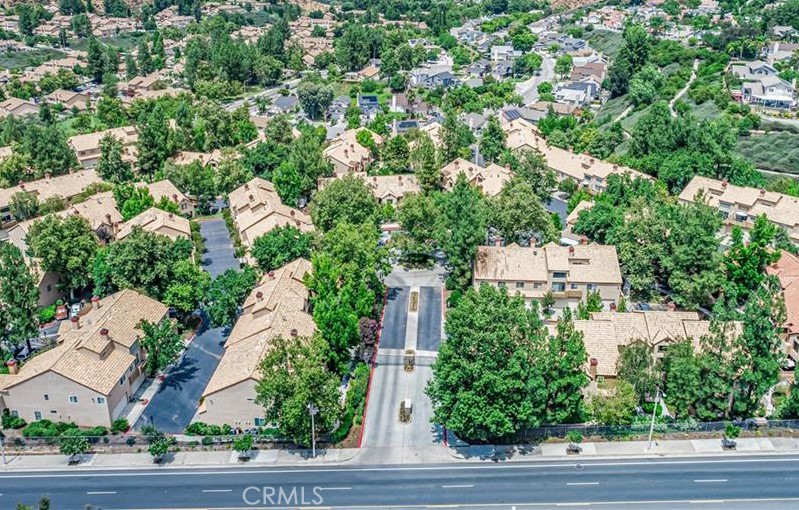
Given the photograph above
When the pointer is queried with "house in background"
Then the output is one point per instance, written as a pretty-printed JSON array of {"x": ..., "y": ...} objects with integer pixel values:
[
  {"x": 786, "y": 269},
  {"x": 164, "y": 189},
  {"x": 157, "y": 221},
  {"x": 87, "y": 147},
  {"x": 347, "y": 155},
  {"x": 488, "y": 180}
]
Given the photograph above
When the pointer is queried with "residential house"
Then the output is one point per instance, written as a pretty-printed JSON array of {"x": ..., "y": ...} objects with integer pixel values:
[
  {"x": 607, "y": 334},
  {"x": 277, "y": 307},
  {"x": 769, "y": 92},
  {"x": 18, "y": 108},
  {"x": 94, "y": 370},
  {"x": 740, "y": 205},
  {"x": 578, "y": 93},
  {"x": 256, "y": 209},
  {"x": 204, "y": 158},
  {"x": 568, "y": 272},
  {"x": 101, "y": 212},
  {"x": 786, "y": 269},
  {"x": 347, "y": 155},
  {"x": 587, "y": 171},
  {"x": 66, "y": 186},
  {"x": 444, "y": 79},
  {"x": 68, "y": 99},
  {"x": 283, "y": 104},
  {"x": 157, "y": 221},
  {"x": 165, "y": 189},
  {"x": 489, "y": 180},
  {"x": 87, "y": 147},
  {"x": 480, "y": 68},
  {"x": 779, "y": 51},
  {"x": 387, "y": 189},
  {"x": 753, "y": 70},
  {"x": 594, "y": 70},
  {"x": 504, "y": 52}
]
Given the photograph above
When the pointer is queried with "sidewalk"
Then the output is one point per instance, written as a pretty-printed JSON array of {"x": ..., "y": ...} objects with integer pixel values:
[{"x": 436, "y": 454}]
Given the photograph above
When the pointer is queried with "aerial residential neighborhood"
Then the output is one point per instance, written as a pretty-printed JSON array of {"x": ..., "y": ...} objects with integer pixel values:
[{"x": 399, "y": 254}]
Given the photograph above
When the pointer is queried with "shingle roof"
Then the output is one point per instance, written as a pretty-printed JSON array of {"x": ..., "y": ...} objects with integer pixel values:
[
  {"x": 67, "y": 186},
  {"x": 277, "y": 307},
  {"x": 157, "y": 221},
  {"x": 87, "y": 357},
  {"x": 490, "y": 179}
]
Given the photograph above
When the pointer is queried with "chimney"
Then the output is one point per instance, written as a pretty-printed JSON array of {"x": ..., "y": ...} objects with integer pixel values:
[
  {"x": 762, "y": 192},
  {"x": 271, "y": 275},
  {"x": 259, "y": 295},
  {"x": 251, "y": 197},
  {"x": 246, "y": 186},
  {"x": 583, "y": 240},
  {"x": 613, "y": 307},
  {"x": 75, "y": 322},
  {"x": 21, "y": 185},
  {"x": 293, "y": 332},
  {"x": 104, "y": 333},
  {"x": 95, "y": 302},
  {"x": 47, "y": 175},
  {"x": 297, "y": 222},
  {"x": 571, "y": 251},
  {"x": 175, "y": 197},
  {"x": 346, "y": 153},
  {"x": 724, "y": 183},
  {"x": 108, "y": 218},
  {"x": 13, "y": 367},
  {"x": 592, "y": 369},
  {"x": 497, "y": 242},
  {"x": 291, "y": 212},
  {"x": 507, "y": 166},
  {"x": 672, "y": 307}
]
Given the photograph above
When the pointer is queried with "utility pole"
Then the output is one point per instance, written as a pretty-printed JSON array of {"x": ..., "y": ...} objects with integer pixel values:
[
  {"x": 652, "y": 425},
  {"x": 312, "y": 409}
]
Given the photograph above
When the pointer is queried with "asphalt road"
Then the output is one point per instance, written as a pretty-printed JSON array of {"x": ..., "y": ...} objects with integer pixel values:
[
  {"x": 176, "y": 402},
  {"x": 707, "y": 483},
  {"x": 429, "y": 325},
  {"x": 395, "y": 318}
]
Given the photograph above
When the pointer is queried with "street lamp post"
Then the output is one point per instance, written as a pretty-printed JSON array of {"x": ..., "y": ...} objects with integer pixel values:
[
  {"x": 312, "y": 409},
  {"x": 652, "y": 425}
]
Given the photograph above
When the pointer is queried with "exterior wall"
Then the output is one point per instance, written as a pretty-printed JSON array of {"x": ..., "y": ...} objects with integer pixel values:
[
  {"x": 234, "y": 406},
  {"x": 48, "y": 293},
  {"x": 28, "y": 397},
  {"x": 569, "y": 297},
  {"x": 339, "y": 168},
  {"x": 186, "y": 207},
  {"x": 121, "y": 394}
]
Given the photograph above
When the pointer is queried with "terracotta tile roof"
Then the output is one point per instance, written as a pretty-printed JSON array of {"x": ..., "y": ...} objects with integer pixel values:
[
  {"x": 277, "y": 307},
  {"x": 165, "y": 188},
  {"x": 787, "y": 270},
  {"x": 490, "y": 179},
  {"x": 91, "y": 141},
  {"x": 67, "y": 186},
  {"x": 86, "y": 356},
  {"x": 157, "y": 221},
  {"x": 346, "y": 150},
  {"x": 99, "y": 210}
]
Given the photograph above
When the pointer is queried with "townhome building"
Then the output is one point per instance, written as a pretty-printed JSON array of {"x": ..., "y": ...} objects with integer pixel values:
[
  {"x": 490, "y": 180},
  {"x": 16, "y": 107},
  {"x": 740, "y": 205},
  {"x": 46, "y": 281},
  {"x": 157, "y": 221},
  {"x": 93, "y": 372},
  {"x": 786, "y": 269},
  {"x": 347, "y": 155},
  {"x": 569, "y": 273},
  {"x": 387, "y": 189},
  {"x": 66, "y": 186},
  {"x": 256, "y": 209},
  {"x": 87, "y": 147},
  {"x": 277, "y": 307},
  {"x": 68, "y": 99},
  {"x": 587, "y": 171},
  {"x": 164, "y": 189}
]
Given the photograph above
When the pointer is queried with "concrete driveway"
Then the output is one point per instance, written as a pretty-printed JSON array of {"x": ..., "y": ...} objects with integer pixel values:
[{"x": 178, "y": 397}]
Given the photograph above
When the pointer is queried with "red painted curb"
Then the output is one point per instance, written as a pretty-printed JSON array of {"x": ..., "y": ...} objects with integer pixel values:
[{"x": 372, "y": 369}]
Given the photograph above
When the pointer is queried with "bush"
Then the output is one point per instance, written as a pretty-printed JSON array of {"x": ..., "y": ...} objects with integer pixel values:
[
  {"x": 199, "y": 428},
  {"x": 120, "y": 426},
  {"x": 47, "y": 314},
  {"x": 732, "y": 431},
  {"x": 574, "y": 436},
  {"x": 47, "y": 428},
  {"x": 355, "y": 402},
  {"x": 12, "y": 422}
]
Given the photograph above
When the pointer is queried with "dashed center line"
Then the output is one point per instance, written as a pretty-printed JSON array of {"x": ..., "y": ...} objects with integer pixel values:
[
  {"x": 461, "y": 486},
  {"x": 718, "y": 480},
  {"x": 217, "y": 490},
  {"x": 582, "y": 483},
  {"x": 335, "y": 488},
  {"x": 99, "y": 493}
]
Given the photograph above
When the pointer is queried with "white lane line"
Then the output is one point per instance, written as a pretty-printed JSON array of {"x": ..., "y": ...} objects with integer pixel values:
[
  {"x": 461, "y": 486},
  {"x": 707, "y": 501},
  {"x": 573, "y": 504},
  {"x": 98, "y": 493},
  {"x": 719, "y": 480},
  {"x": 583, "y": 483},
  {"x": 217, "y": 490},
  {"x": 335, "y": 488}
]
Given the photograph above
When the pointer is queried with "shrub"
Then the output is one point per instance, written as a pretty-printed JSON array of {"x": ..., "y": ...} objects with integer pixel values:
[
  {"x": 199, "y": 428},
  {"x": 120, "y": 426},
  {"x": 732, "y": 431},
  {"x": 574, "y": 436},
  {"x": 12, "y": 422},
  {"x": 207, "y": 441},
  {"x": 47, "y": 314}
]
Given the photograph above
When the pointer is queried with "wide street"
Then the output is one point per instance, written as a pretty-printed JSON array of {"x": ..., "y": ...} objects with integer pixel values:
[{"x": 765, "y": 482}]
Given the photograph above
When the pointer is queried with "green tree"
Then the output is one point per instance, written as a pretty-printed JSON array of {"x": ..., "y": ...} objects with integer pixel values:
[
  {"x": 682, "y": 377},
  {"x": 455, "y": 137},
  {"x": 74, "y": 446},
  {"x": 23, "y": 205},
  {"x": 145, "y": 59},
  {"x": 132, "y": 200},
  {"x": 161, "y": 343},
  {"x": 65, "y": 246},
  {"x": 636, "y": 366},
  {"x": 315, "y": 98},
  {"x": 131, "y": 68},
  {"x": 745, "y": 263},
  {"x": 417, "y": 215},
  {"x": 565, "y": 377},
  {"x": 614, "y": 404},
  {"x": 188, "y": 288},
  {"x": 463, "y": 228},
  {"x": 111, "y": 166},
  {"x": 563, "y": 65},
  {"x": 492, "y": 141},
  {"x": 293, "y": 377},
  {"x": 19, "y": 297},
  {"x": 227, "y": 293},
  {"x": 155, "y": 141},
  {"x": 348, "y": 199},
  {"x": 280, "y": 246},
  {"x": 591, "y": 304},
  {"x": 487, "y": 381},
  {"x": 518, "y": 215},
  {"x": 423, "y": 160},
  {"x": 159, "y": 448}
]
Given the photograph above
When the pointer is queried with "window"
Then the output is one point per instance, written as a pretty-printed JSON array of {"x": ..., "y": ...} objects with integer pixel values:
[
  {"x": 591, "y": 286},
  {"x": 37, "y": 415},
  {"x": 558, "y": 287},
  {"x": 559, "y": 274},
  {"x": 14, "y": 413},
  {"x": 53, "y": 411},
  {"x": 46, "y": 396},
  {"x": 573, "y": 286},
  {"x": 501, "y": 284},
  {"x": 73, "y": 399},
  {"x": 101, "y": 400},
  {"x": 122, "y": 380},
  {"x": 536, "y": 285},
  {"x": 260, "y": 422},
  {"x": 519, "y": 285}
]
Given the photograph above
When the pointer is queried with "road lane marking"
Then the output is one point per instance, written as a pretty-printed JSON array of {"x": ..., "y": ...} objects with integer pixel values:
[
  {"x": 461, "y": 486},
  {"x": 719, "y": 480},
  {"x": 217, "y": 490},
  {"x": 583, "y": 483},
  {"x": 335, "y": 488},
  {"x": 573, "y": 504},
  {"x": 707, "y": 501},
  {"x": 98, "y": 493}
]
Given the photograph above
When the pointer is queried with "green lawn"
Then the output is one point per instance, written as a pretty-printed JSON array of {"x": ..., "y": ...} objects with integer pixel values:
[
  {"x": 613, "y": 107},
  {"x": 605, "y": 41},
  {"x": 23, "y": 59},
  {"x": 778, "y": 152},
  {"x": 705, "y": 111}
]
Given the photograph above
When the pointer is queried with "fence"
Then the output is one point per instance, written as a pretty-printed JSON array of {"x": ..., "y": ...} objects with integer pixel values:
[
  {"x": 121, "y": 442},
  {"x": 642, "y": 428}
]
